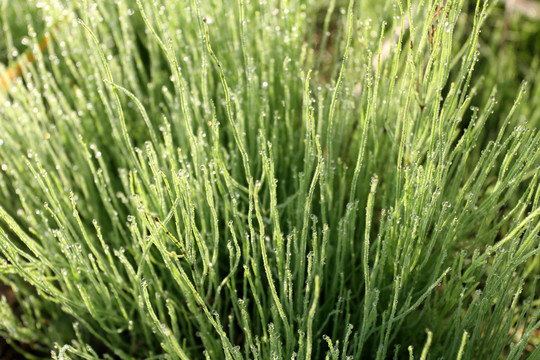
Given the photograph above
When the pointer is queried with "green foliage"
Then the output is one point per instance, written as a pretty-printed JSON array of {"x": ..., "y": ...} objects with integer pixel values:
[{"x": 269, "y": 179}]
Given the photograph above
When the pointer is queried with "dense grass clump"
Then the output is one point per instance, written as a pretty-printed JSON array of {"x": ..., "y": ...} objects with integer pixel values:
[{"x": 269, "y": 179}]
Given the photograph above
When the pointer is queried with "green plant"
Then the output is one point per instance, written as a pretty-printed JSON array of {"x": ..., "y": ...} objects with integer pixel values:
[{"x": 266, "y": 179}]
